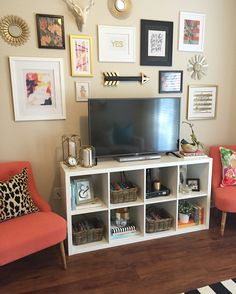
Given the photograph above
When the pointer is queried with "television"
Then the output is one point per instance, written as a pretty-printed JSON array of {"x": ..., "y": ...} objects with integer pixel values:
[{"x": 133, "y": 126}]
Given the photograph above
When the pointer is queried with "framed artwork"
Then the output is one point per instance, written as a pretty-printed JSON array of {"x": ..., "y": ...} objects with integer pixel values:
[
  {"x": 170, "y": 81},
  {"x": 191, "y": 31},
  {"x": 83, "y": 91},
  {"x": 156, "y": 42},
  {"x": 116, "y": 44},
  {"x": 81, "y": 55},
  {"x": 50, "y": 30},
  {"x": 201, "y": 101},
  {"x": 37, "y": 88},
  {"x": 193, "y": 184},
  {"x": 84, "y": 191}
]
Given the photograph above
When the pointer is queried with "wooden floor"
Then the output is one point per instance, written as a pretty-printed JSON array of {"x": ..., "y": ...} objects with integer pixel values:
[{"x": 167, "y": 265}]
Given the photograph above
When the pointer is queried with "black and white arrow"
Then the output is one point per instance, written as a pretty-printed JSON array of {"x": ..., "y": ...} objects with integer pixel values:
[{"x": 113, "y": 78}]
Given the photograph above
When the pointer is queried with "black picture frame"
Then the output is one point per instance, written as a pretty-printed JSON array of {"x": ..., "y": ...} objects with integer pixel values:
[
  {"x": 156, "y": 43},
  {"x": 50, "y": 31},
  {"x": 170, "y": 81},
  {"x": 194, "y": 184}
]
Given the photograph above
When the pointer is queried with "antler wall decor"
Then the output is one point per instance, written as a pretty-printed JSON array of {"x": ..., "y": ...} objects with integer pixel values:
[{"x": 79, "y": 13}]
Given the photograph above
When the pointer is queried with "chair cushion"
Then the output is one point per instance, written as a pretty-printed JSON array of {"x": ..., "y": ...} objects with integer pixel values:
[
  {"x": 225, "y": 198},
  {"x": 228, "y": 160},
  {"x": 15, "y": 199},
  {"x": 30, "y": 233}
]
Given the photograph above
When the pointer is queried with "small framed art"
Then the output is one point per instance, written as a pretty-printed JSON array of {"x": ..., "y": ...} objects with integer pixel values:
[
  {"x": 81, "y": 55},
  {"x": 83, "y": 91},
  {"x": 170, "y": 81},
  {"x": 83, "y": 191},
  {"x": 193, "y": 184},
  {"x": 156, "y": 43},
  {"x": 50, "y": 29},
  {"x": 202, "y": 101},
  {"x": 191, "y": 31},
  {"x": 116, "y": 44}
]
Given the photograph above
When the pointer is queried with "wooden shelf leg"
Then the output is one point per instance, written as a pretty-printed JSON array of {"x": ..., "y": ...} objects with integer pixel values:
[
  {"x": 63, "y": 255},
  {"x": 223, "y": 221}
]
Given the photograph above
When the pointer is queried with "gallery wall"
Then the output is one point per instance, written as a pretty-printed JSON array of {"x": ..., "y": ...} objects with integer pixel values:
[{"x": 40, "y": 141}]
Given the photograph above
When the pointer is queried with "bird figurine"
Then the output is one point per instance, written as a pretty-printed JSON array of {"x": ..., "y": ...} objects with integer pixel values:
[{"x": 195, "y": 145}]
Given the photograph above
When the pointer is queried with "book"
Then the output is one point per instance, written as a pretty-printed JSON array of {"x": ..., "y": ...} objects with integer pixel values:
[
  {"x": 197, "y": 154},
  {"x": 122, "y": 231},
  {"x": 73, "y": 195}
]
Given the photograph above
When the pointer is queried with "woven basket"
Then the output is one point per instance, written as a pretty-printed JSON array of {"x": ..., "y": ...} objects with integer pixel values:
[
  {"x": 125, "y": 195},
  {"x": 83, "y": 236},
  {"x": 156, "y": 225}
]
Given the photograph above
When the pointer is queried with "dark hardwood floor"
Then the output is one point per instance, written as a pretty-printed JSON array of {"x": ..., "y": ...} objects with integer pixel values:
[{"x": 167, "y": 265}]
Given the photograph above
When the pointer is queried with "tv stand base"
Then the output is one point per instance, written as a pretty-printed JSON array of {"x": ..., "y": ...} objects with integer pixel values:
[{"x": 138, "y": 157}]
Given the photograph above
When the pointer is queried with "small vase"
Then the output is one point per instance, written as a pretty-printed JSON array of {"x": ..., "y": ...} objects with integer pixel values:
[{"x": 184, "y": 218}]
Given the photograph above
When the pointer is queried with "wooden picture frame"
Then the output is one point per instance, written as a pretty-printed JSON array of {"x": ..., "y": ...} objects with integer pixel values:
[
  {"x": 38, "y": 88},
  {"x": 156, "y": 43},
  {"x": 81, "y": 55},
  {"x": 50, "y": 30},
  {"x": 193, "y": 184},
  {"x": 170, "y": 81}
]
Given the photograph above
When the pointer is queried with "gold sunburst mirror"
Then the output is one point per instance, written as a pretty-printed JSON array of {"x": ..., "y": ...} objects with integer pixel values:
[
  {"x": 197, "y": 67},
  {"x": 14, "y": 30},
  {"x": 120, "y": 8}
]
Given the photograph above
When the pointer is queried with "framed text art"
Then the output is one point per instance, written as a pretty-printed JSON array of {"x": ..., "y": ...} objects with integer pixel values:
[
  {"x": 50, "y": 29},
  {"x": 83, "y": 91},
  {"x": 170, "y": 81},
  {"x": 81, "y": 55},
  {"x": 83, "y": 191},
  {"x": 191, "y": 31},
  {"x": 202, "y": 101},
  {"x": 156, "y": 42},
  {"x": 116, "y": 44},
  {"x": 37, "y": 88}
]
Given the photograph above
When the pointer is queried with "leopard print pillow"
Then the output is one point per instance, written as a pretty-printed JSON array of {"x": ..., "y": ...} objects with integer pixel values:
[{"x": 15, "y": 198}]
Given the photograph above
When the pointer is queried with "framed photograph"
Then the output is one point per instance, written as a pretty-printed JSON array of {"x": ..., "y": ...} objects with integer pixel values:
[
  {"x": 83, "y": 91},
  {"x": 191, "y": 31},
  {"x": 38, "y": 88},
  {"x": 81, "y": 55},
  {"x": 116, "y": 44},
  {"x": 84, "y": 191},
  {"x": 194, "y": 184},
  {"x": 202, "y": 101},
  {"x": 50, "y": 30},
  {"x": 156, "y": 42},
  {"x": 170, "y": 81}
]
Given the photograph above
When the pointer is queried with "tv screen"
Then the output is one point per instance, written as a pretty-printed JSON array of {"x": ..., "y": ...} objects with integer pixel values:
[{"x": 134, "y": 126}]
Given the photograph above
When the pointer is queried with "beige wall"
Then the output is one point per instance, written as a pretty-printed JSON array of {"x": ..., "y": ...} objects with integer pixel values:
[{"x": 40, "y": 141}]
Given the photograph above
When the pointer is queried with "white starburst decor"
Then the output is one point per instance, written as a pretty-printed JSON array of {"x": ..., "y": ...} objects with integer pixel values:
[{"x": 197, "y": 67}]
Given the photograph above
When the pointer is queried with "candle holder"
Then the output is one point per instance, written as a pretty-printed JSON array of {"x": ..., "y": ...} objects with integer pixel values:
[{"x": 70, "y": 146}]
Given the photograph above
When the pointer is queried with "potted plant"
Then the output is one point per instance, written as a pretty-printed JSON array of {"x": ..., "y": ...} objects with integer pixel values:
[{"x": 185, "y": 210}]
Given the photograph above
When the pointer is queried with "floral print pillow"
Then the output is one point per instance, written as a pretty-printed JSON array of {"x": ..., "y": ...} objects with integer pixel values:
[{"x": 228, "y": 160}]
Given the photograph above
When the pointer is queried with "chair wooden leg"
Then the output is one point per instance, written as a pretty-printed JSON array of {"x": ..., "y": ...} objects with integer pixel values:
[
  {"x": 223, "y": 221},
  {"x": 63, "y": 255}
]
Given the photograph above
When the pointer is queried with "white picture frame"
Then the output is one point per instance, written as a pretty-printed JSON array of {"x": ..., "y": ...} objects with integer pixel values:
[
  {"x": 116, "y": 43},
  {"x": 82, "y": 91},
  {"x": 83, "y": 191},
  {"x": 202, "y": 101},
  {"x": 37, "y": 88},
  {"x": 191, "y": 31}
]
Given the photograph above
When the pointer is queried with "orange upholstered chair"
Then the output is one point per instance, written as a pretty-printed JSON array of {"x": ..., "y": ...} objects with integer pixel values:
[
  {"x": 224, "y": 197},
  {"x": 26, "y": 234}
]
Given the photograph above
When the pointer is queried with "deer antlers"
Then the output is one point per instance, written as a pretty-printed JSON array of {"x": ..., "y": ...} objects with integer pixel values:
[{"x": 79, "y": 13}]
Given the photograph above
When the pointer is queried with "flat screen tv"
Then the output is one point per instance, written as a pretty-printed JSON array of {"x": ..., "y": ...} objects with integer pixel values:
[{"x": 134, "y": 126}]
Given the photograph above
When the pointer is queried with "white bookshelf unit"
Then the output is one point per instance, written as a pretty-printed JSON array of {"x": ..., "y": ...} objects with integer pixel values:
[{"x": 167, "y": 168}]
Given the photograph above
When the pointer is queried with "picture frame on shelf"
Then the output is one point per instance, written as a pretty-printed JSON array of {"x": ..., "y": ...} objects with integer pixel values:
[
  {"x": 83, "y": 91},
  {"x": 202, "y": 101},
  {"x": 170, "y": 81},
  {"x": 193, "y": 184},
  {"x": 116, "y": 43},
  {"x": 81, "y": 55},
  {"x": 38, "y": 88},
  {"x": 50, "y": 31},
  {"x": 191, "y": 31},
  {"x": 156, "y": 43},
  {"x": 83, "y": 191}
]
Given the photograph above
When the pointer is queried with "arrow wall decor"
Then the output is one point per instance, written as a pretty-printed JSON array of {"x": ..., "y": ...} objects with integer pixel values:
[{"x": 113, "y": 78}]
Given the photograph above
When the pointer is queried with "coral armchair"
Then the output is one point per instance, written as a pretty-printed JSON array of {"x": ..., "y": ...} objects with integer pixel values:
[
  {"x": 224, "y": 197},
  {"x": 29, "y": 233}
]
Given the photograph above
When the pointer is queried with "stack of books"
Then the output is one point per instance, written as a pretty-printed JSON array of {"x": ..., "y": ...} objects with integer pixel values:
[
  {"x": 120, "y": 232},
  {"x": 196, "y": 154}
]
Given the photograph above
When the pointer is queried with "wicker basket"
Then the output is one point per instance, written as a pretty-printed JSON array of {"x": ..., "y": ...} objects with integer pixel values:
[
  {"x": 154, "y": 224},
  {"x": 82, "y": 235},
  {"x": 125, "y": 195}
]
